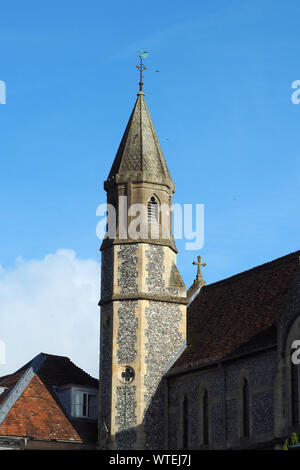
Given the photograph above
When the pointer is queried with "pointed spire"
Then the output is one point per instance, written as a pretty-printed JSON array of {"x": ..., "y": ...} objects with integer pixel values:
[{"x": 139, "y": 157}]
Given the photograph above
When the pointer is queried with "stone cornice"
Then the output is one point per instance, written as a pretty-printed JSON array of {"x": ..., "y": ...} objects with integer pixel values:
[
  {"x": 144, "y": 296},
  {"x": 140, "y": 178},
  {"x": 108, "y": 242}
]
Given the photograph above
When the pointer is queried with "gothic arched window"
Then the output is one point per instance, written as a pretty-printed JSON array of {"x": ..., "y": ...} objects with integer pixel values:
[
  {"x": 185, "y": 423},
  {"x": 153, "y": 212},
  {"x": 205, "y": 418},
  {"x": 292, "y": 399},
  {"x": 246, "y": 409},
  {"x": 294, "y": 394}
]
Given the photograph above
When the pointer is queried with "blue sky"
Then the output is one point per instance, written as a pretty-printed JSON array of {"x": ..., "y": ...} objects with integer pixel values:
[{"x": 221, "y": 105}]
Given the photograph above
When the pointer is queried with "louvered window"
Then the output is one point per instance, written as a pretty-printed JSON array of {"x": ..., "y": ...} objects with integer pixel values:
[{"x": 153, "y": 211}]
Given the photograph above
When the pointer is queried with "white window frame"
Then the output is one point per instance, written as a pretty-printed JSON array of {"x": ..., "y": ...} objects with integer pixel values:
[{"x": 80, "y": 403}]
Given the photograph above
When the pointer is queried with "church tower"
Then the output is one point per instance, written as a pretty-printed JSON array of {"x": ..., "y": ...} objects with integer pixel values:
[{"x": 143, "y": 298}]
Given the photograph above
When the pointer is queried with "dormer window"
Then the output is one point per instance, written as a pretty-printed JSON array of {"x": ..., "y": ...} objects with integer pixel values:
[
  {"x": 153, "y": 210},
  {"x": 78, "y": 402},
  {"x": 84, "y": 404}
]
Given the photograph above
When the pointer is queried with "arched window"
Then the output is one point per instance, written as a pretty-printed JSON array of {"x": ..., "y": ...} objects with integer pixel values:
[
  {"x": 246, "y": 409},
  {"x": 185, "y": 423},
  {"x": 294, "y": 394},
  {"x": 153, "y": 210},
  {"x": 290, "y": 346},
  {"x": 205, "y": 414}
]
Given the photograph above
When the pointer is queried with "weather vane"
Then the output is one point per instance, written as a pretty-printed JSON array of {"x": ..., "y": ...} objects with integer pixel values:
[{"x": 141, "y": 67}]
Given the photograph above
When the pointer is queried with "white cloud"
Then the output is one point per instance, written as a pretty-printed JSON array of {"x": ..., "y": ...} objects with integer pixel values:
[{"x": 50, "y": 306}]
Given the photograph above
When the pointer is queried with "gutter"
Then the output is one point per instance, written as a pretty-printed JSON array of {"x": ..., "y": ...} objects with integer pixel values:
[{"x": 12, "y": 443}]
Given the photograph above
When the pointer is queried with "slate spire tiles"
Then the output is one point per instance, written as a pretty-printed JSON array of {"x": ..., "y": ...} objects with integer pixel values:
[{"x": 139, "y": 156}]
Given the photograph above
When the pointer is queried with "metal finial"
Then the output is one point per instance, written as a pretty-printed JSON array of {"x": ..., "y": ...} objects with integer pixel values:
[
  {"x": 141, "y": 67},
  {"x": 199, "y": 264}
]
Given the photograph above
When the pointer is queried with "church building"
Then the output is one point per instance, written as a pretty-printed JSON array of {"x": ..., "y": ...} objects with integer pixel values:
[{"x": 207, "y": 368}]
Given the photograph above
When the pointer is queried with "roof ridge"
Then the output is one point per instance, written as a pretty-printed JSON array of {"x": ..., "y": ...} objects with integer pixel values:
[
  {"x": 260, "y": 267},
  {"x": 55, "y": 355}
]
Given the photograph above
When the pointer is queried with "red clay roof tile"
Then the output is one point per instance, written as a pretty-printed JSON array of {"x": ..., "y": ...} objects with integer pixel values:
[{"x": 38, "y": 413}]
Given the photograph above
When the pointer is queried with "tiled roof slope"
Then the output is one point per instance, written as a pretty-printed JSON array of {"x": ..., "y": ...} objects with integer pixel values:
[
  {"x": 231, "y": 315},
  {"x": 9, "y": 381},
  {"x": 59, "y": 370},
  {"x": 37, "y": 413}
]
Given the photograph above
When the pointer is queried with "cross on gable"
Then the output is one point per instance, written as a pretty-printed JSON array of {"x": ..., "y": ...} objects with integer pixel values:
[{"x": 199, "y": 264}]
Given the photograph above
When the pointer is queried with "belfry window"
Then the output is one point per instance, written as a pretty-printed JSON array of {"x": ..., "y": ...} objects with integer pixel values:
[
  {"x": 153, "y": 210},
  {"x": 246, "y": 409}
]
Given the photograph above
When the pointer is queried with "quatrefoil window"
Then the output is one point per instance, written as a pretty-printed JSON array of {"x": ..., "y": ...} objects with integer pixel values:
[{"x": 128, "y": 374}]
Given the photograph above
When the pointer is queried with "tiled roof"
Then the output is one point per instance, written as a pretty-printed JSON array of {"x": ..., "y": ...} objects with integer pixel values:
[
  {"x": 37, "y": 412},
  {"x": 240, "y": 312},
  {"x": 9, "y": 381},
  {"x": 60, "y": 370}
]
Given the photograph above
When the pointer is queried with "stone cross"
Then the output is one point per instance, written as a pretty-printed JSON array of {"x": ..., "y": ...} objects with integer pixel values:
[{"x": 199, "y": 264}]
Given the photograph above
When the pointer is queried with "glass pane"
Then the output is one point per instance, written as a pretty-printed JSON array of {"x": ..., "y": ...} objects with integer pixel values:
[
  {"x": 84, "y": 405},
  {"x": 92, "y": 406},
  {"x": 78, "y": 403}
]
